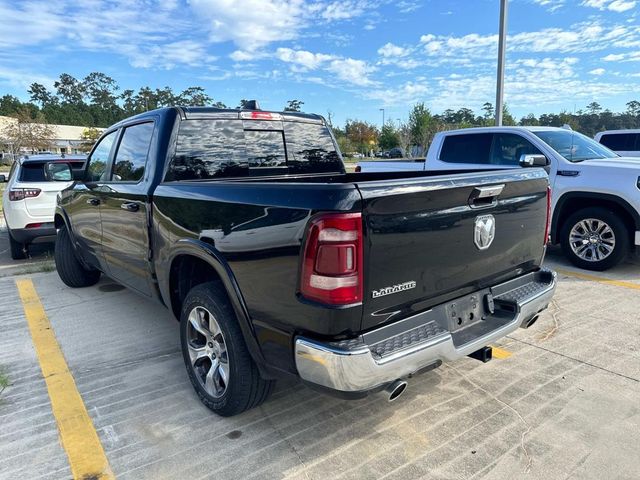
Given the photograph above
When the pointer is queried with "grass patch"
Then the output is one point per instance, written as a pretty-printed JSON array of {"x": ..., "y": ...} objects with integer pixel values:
[
  {"x": 4, "y": 380},
  {"x": 2, "y": 185}
]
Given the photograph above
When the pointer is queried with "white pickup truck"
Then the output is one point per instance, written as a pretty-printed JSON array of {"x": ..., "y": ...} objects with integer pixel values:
[{"x": 596, "y": 193}]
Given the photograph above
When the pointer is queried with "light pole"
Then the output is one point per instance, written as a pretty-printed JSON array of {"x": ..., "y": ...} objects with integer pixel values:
[
  {"x": 382, "y": 110},
  {"x": 502, "y": 45}
]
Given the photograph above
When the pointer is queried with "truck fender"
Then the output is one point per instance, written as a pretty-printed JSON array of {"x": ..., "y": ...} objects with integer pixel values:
[
  {"x": 207, "y": 253},
  {"x": 61, "y": 218},
  {"x": 562, "y": 201}
]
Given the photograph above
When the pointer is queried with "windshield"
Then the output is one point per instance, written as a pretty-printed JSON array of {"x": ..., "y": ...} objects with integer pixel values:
[{"x": 574, "y": 146}]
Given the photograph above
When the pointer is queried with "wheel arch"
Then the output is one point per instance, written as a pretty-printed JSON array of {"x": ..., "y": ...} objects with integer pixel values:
[
  {"x": 192, "y": 263},
  {"x": 573, "y": 201}
]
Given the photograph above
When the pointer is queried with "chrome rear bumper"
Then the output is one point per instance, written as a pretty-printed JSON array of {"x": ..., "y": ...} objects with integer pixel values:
[{"x": 396, "y": 351}]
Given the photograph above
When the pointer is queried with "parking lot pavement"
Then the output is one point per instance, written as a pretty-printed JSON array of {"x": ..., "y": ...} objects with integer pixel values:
[
  {"x": 561, "y": 402},
  {"x": 40, "y": 256}
]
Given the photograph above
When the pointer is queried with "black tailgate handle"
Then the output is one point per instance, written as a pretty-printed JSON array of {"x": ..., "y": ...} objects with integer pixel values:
[{"x": 482, "y": 197}]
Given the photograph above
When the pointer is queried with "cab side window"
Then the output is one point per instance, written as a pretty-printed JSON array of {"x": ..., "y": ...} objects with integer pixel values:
[
  {"x": 97, "y": 167},
  {"x": 131, "y": 156},
  {"x": 507, "y": 148}
]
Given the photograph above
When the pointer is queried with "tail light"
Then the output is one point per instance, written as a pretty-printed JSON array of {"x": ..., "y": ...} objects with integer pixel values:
[
  {"x": 22, "y": 193},
  {"x": 332, "y": 262},
  {"x": 548, "y": 224}
]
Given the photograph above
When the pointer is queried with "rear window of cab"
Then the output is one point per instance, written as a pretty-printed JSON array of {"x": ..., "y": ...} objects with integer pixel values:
[{"x": 216, "y": 149}]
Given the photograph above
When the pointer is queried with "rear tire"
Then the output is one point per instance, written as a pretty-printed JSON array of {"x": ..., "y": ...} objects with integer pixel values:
[
  {"x": 595, "y": 238},
  {"x": 18, "y": 250},
  {"x": 70, "y": 270},
  {"x": 218, "y": 363}
]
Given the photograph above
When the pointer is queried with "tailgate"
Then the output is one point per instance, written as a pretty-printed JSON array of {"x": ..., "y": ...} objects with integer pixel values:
[
  {"x": 429, "y": 239},
  {"x": 44, "y": 205}
]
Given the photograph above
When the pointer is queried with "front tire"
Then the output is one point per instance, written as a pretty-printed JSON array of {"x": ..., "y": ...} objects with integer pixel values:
[
  {"x": 218, "y": 363},
  {"x": 595, "y": 238},
  {"x": 18, "y": 250},
  {"x": 69, "y": 268}
]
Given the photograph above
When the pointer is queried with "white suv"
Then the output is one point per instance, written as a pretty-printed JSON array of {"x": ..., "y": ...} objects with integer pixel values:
[
  {"x": 29, "y": 200},
  {"x": 624, "y": 142}
]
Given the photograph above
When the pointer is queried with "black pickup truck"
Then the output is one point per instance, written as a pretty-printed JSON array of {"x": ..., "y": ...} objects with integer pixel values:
[{"x": 277, "y": 262}]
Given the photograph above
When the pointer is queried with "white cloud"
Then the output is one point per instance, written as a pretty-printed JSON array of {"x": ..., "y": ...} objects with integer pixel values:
[
  {"x": 251, "y": 24},
  {"x": 391, "y": 50},
  {"x": 614, "y": 57},
  {"x": 343, "y": 10},
  {"x": 303, "y": 58},
  {"x": 550, "y": 5},
  {"x": 597, "y": 71},
  {"x": 613, "y": 5},
  {"x": 352, "y": 71}
]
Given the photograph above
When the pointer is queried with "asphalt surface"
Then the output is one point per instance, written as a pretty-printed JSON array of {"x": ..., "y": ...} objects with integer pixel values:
[{"x": 564, "y": 404}]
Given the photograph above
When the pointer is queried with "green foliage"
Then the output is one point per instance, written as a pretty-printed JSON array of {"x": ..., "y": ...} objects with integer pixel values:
[
  {"x": 293, "y": 106},
  {"x": 96, "y": 100},
  {"x": 388, "y": 137},
  {"x": 362, "y": 135}
]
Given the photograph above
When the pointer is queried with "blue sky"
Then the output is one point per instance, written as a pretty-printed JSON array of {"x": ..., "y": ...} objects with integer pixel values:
[{"x": 350, "y": 57}]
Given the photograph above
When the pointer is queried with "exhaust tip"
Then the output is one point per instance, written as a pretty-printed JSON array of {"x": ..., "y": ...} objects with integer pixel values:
[
  {"x": 396, "y": 389},
  {"x": 532, "y": 321}
]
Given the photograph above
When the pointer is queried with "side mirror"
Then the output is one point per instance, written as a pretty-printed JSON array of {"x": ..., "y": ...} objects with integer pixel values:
[
  {"x": 58, "y": 172},
  {"x": 3, "y": 179},
  {"x": 528, "y": 160}
]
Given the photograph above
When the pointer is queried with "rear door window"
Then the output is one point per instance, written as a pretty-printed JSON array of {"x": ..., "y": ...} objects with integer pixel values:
[
  {"x": 467, "y": 148},
  {"x": 131, "y": 156}
]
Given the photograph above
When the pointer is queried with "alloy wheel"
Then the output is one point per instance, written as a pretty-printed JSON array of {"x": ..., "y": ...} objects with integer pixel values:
[
  {"x": 592, "y": 240},
  {"x": 208, "y": 352}
]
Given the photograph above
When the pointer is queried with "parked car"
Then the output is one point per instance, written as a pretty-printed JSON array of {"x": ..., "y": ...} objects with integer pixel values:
[
  {"x": 623, "y": 142},
  {"x": 292, "y": 267},
  {"x": 596, "y": 197},
  {"x": 29, "y": 199}
]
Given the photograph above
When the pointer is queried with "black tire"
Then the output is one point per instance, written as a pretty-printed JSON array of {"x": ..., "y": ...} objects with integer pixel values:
[
  {"x": 70, "y": 270},
  {"x": 245, "y": 389},
  {"x": 18, "y": 250},
  {"x": 620, "y": 236}
]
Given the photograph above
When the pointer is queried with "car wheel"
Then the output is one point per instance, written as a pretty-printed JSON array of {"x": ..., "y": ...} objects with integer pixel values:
[
  {"x": 595, "y": 238},
  {"x": 220, "y": 368},
  {"x": 18, "y": 250},
  {"x": 69, "y": 268}
]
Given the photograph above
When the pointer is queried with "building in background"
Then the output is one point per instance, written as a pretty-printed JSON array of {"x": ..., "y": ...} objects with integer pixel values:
[{"x": 69, "y": 139}]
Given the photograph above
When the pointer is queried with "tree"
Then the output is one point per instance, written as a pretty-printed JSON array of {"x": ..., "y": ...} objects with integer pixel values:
[
  {"x": 388, "y": 137},
  {"x": 594, "y": 108},
  {"x": 70, "y": 89},
  {"x": 633, "y": 108},
  {"x": 89, "y": 137},
  {"x": 39, "y": 94},
  {"x": 243, "y": 104},
  {"x": 194, "y": 97},
  {"x": 489, "y": 113},
  {"x": 423, "y": 126},
  {"x": 405, "y": 136},
  {"x": 101, "y": 89},
  {"x": 362, "y": 135},
  {"x": 27, "y": 134},
  {"x": 293, "y": 105}
]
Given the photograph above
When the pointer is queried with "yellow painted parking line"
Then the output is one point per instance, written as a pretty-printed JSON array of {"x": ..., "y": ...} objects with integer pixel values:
[
  {"x": 500, "y": 353},
  {"x": 77, "y": 434},
  {"x": 606, "y": 281}
]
